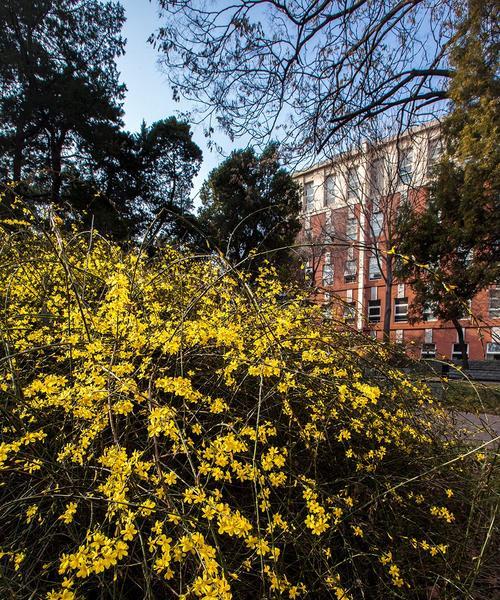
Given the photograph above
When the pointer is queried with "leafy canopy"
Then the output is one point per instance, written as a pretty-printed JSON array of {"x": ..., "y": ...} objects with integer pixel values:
[
  {"x": 250, "y": 204},
  {"x": 452, "y": 244}
]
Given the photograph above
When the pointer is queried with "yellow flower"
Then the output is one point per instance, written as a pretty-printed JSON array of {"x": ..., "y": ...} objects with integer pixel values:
[
  {"x": 18, "y": 559},
  {"x": 147, "y": 507},
  {"x": 121, "y": 550},
  {"x": 69, "y": 513},
  {"x": 170, "y": 478},
  {"x": 31, "y": 512},
  {"x": 357, "y": 531},
  {"x": 128, "y": 532}
]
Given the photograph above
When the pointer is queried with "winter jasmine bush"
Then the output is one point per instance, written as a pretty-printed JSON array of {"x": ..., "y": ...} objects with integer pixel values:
[{"x": 172, "y": 430}]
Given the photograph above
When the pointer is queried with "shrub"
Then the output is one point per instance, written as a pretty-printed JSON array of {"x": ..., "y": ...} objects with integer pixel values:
[{"x": 172, "y": 431}]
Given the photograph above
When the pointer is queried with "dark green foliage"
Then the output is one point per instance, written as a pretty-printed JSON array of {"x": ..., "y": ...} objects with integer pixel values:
[
  {"x": 60, "y": 92},
  {"x": 169, "y": 159},
  {"x": 251, "y": 204},
  {"x": 60, "y": 122},
  {"x": 453, "y": 244},
  {"x": 58, "y": 77}
]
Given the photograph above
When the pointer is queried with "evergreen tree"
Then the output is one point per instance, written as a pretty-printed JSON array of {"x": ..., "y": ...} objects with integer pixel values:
[
  {"x": 104, "y": 187},
  {"x": 251, "y": 205},
  {"x": 60, "y": 122},
  {"x": 59, "y": 84},
  {"x": 169, "y": 159},
  {"x": 452, "y": 245}
]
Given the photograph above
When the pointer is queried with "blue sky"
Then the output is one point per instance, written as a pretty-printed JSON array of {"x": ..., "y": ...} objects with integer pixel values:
[{"x": 149, "y": 96}]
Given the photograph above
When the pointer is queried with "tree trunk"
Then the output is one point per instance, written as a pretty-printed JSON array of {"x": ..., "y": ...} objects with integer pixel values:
[
  {"x": 56, "y": 146},
  {"x": 461, "y": 343},
  {"x": 388, "y": 299}
]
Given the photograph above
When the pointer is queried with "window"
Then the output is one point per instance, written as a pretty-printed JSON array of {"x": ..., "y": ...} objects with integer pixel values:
[
  {"x": 329, "y": 231},
  {"x": 374, "y": 268},
  {"x": 456, "y": 351},
  {"x": 405, "y": 166},
  {"x": 399, "y": 336},
  {"x": 428, "y": 350},
  {"x": 350, "y": 268},
  {"x": 349, "y": 311},
  {"x": 327, "y": 274},
  {"x": 351, "y": 229},
  {"x": 373, "y": 334},
  {"x": 329, "y": 190},
  {"x": 350, "y": 271},
  {"x": 428, "y": 313},
  {"x": 327, "y": 312},
  {"x": 400, "y": 310},
  {"x": 377, "y": 223},
  {"x": 352, "y": 184},
  {"x": 494, "y": 304},
  {"x": 309, "y": 195},
  {"x": 327, "y": 309},
  {"x": 434, "y": 150},
  {"x": 373, "y": 311},
  {"x": 492, "y": 351}
]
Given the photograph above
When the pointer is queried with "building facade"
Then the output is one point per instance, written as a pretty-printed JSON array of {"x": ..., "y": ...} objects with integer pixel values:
[{"x": 349, "y": 212}]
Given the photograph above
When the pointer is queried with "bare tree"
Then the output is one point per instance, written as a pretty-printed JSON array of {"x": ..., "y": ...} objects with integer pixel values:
[{"x": 316, "y": 73}]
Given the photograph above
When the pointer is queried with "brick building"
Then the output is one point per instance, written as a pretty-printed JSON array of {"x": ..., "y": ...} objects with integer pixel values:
[{"x": 349, "y": 209}]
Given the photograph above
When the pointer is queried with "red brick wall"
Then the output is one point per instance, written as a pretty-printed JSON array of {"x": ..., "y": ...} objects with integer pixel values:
[{"x": 477, "y": 329}]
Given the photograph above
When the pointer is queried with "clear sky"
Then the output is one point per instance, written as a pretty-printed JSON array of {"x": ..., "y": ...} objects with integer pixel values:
[{"x": 149, "y": 96}]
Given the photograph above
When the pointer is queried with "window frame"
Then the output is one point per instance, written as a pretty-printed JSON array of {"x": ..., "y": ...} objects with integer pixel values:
[
  {"x": 434, "y": 151},
  {"x": 374, "y": 275},
  {"x": 309, "y": 199},
  {"x": 353, "y": 191},
  {"x": 378, "y": 177},
  {"x": 330, "y": 186},
  {"x": 403, "y": 317},
  {"x": 330, "y": 281},
  {"x": 351, "y": 227},
  {"x": 309, "y": 274},
  {"x": 494, "y": 353},
  {"x": 428, "y": 315},
  {"x": 494, "y": 313},
  {"x": 425, "y": 354},
  {"x": 349, "y": 311},
  {"x": 405, "y": 166},
  {"x": 377, "y": 232},
  {"x": 374, "y": 304},
  {"x": 350, "y": 275}
]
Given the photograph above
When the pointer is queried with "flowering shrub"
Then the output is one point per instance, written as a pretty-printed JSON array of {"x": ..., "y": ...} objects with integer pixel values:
[{"x": 172, "y": 431}]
